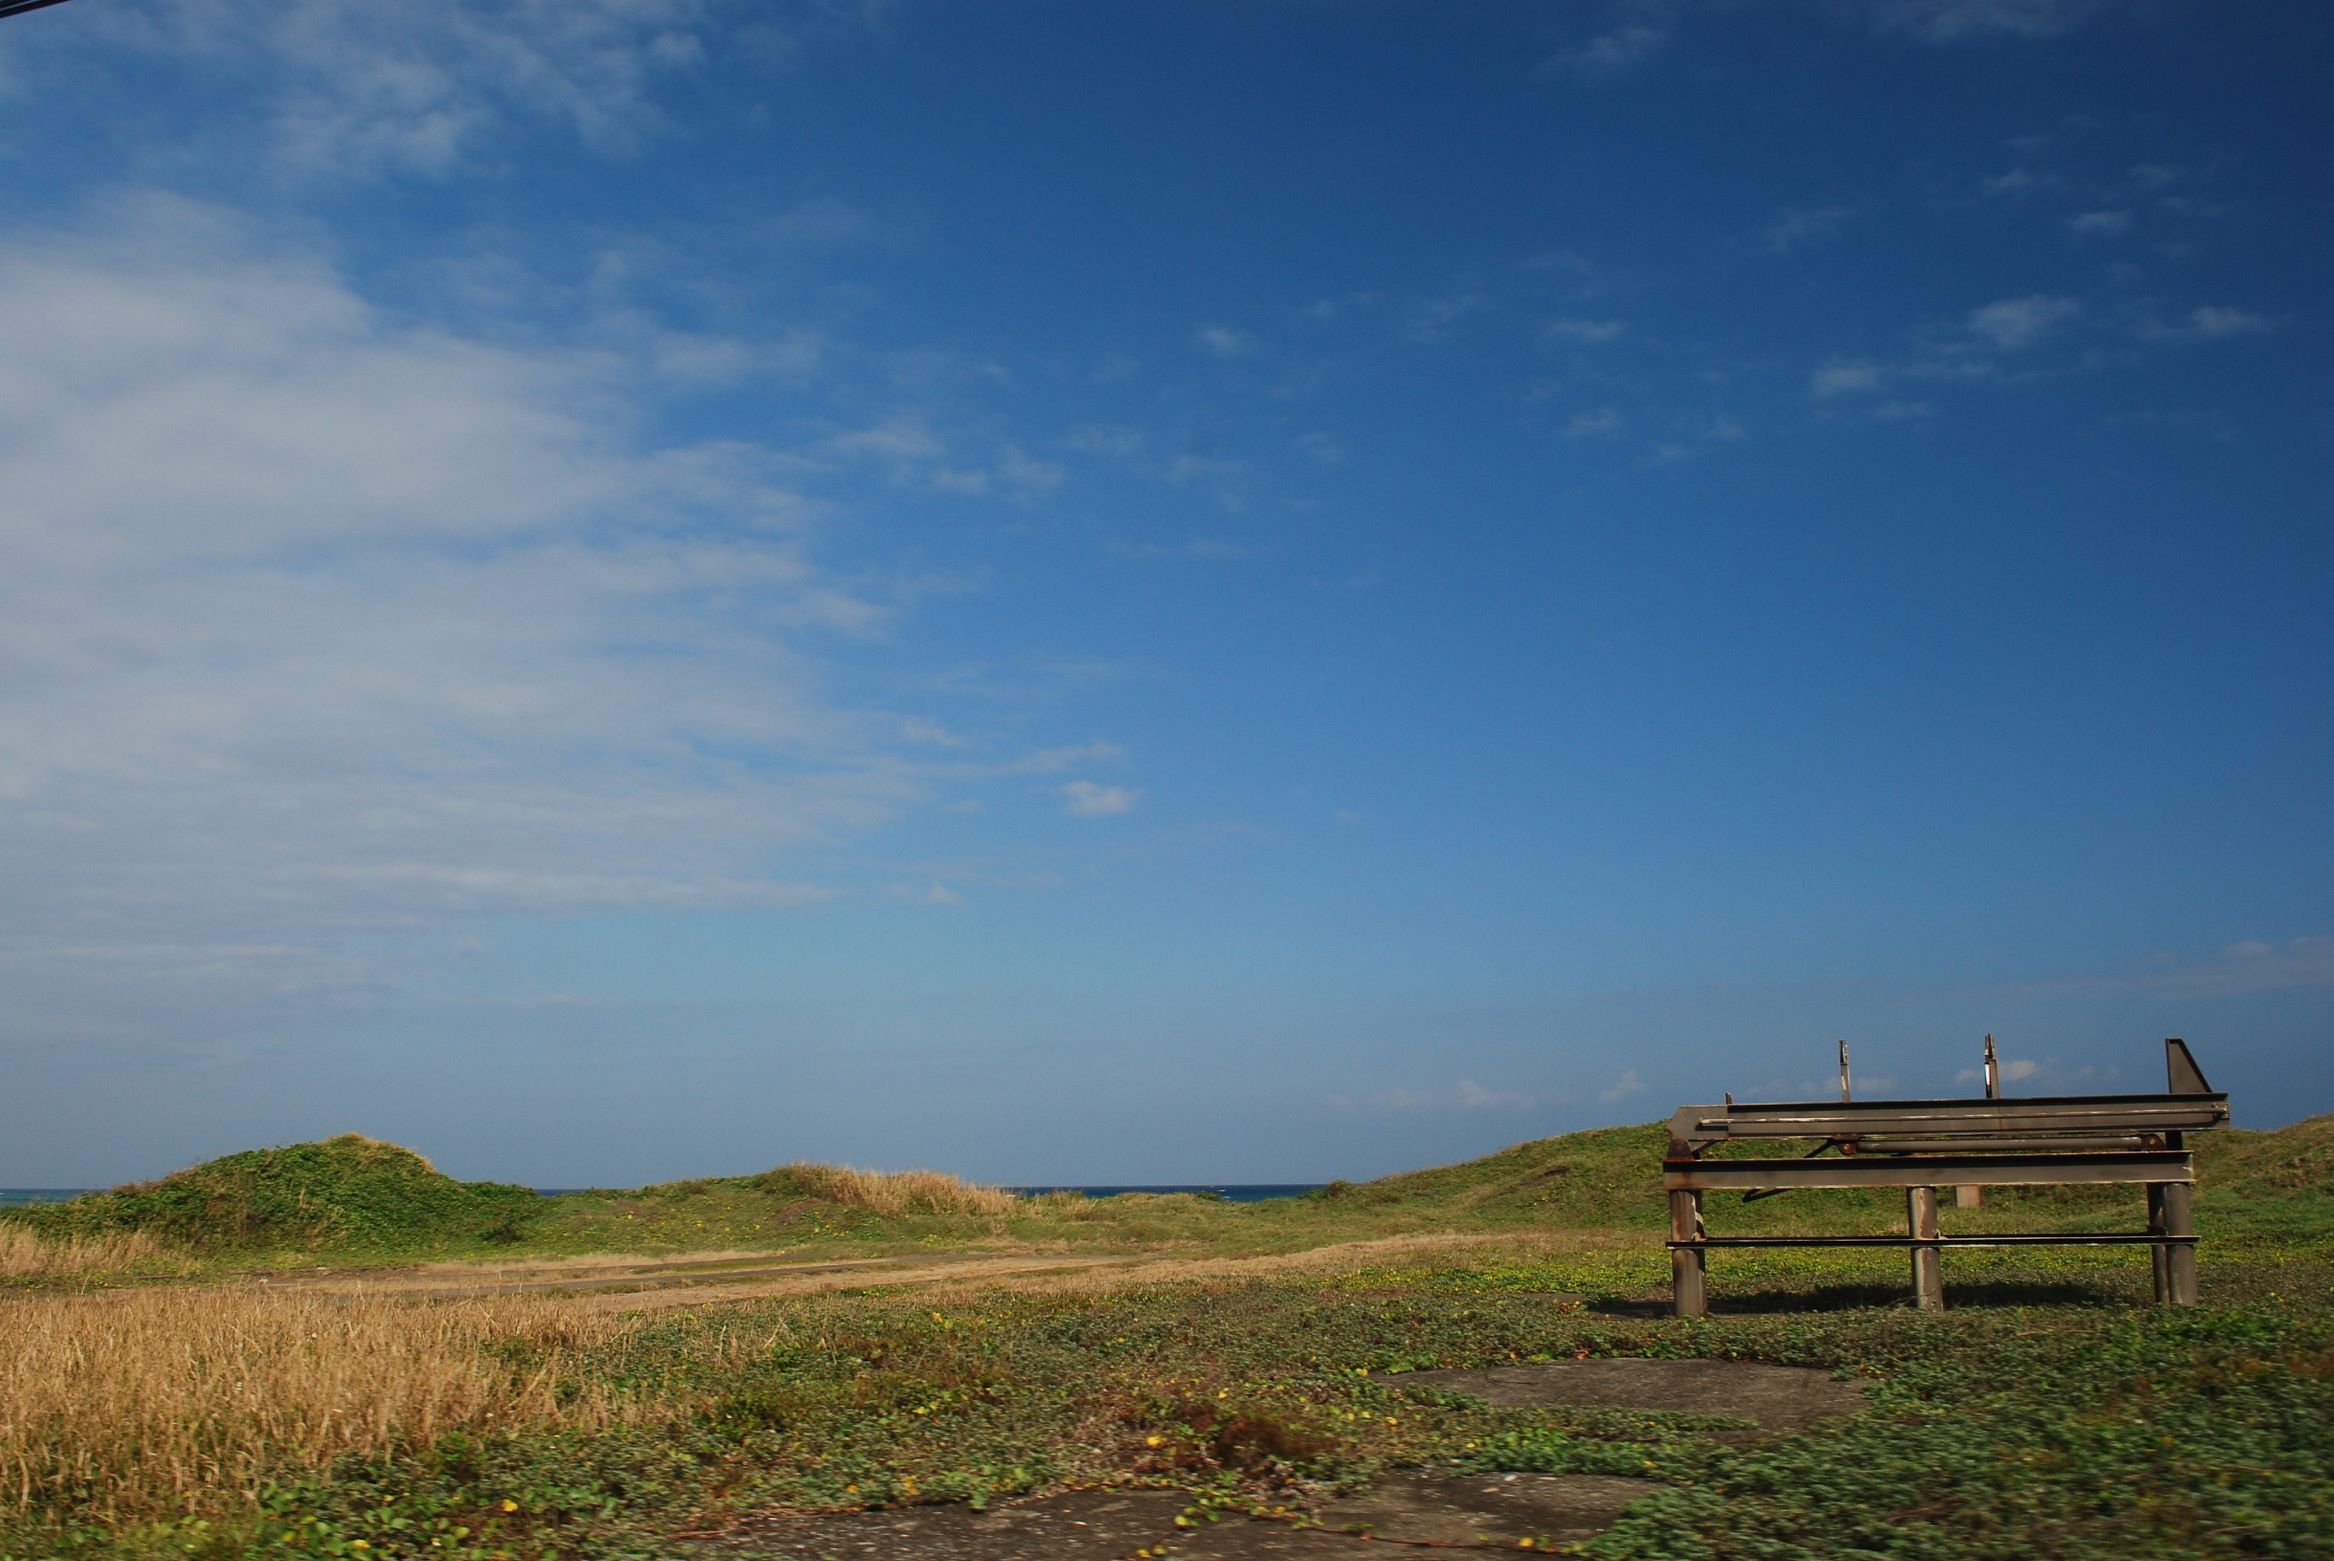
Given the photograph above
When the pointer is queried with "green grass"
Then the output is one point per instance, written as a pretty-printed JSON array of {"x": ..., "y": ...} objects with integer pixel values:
[
  {"x": 2050, "y": 1413},
  {"x": 349, "y": 1194}
]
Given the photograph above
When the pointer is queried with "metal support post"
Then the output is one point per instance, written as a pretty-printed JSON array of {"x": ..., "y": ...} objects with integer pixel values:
[
  {"x": 2159, "y": 1257},
  {"x": 1967, "y": 1196},
  {"x": 1689, "y": 1296},
  {"x": 2180, "y": 1256},
  {"x": 1928, "y": 1267}
]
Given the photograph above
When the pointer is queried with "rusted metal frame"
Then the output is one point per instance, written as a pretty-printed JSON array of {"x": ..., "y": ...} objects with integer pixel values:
[
  {"x": 2169, "y": 1167},
  {"x": 2113, "y": 1114},
  {"x": 1928, "y": 1269},
  {"x": 1963, "y": 1143},
  {"x": 2173, "y": 1208},
  {"x": 1689, "y": 1293}
]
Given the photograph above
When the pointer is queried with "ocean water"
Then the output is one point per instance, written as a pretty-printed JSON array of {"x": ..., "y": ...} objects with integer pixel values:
[{"x": 17, "y": 1197}]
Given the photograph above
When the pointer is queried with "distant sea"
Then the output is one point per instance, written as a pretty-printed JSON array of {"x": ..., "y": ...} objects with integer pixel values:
[{"x": 1230, "y": 1192}]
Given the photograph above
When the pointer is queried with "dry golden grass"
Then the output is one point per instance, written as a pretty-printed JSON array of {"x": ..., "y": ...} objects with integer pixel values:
[
  {"x": 181, "y": 1399},
  {"x": 903, "y": 1192},
  {"x": 27, "y": 1255}
]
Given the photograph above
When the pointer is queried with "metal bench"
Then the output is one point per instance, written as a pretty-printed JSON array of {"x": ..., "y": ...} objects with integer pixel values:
[{"x": 1922, "y": 1145}]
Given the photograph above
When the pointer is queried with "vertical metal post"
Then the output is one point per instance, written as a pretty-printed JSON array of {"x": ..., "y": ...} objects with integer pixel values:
[
  {"x": 2180, "y": 1256},
  {"x": 1844, "y": 1070},
  {"x": 1689, "y": 1297},
  {"x": 2158, "y": 1256},
  {"x": 1974, "y": 1197},
  {"x": 1928, "y": 1270}
]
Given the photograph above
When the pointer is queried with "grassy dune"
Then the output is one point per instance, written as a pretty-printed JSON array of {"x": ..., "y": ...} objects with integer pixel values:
[{"x": 355, "y": 1200}]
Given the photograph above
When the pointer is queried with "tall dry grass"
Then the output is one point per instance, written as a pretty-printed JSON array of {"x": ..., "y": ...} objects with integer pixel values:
[
  {"x": 165, "y": 1400},
  {"x": 903, "y": 1192},
  {"x": 25, "y": 1254}
]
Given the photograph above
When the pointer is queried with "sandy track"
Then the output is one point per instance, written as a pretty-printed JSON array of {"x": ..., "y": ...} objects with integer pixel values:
[{"x": 701, "y": 1279}]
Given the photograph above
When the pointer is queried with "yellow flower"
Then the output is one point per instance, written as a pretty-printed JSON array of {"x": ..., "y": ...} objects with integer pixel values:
[
  {"x": 1153, "y": 1440},
  {"x": 509, "y": 1505}
]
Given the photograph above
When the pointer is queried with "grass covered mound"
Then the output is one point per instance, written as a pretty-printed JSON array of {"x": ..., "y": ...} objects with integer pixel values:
[{"x": 346, "y": 1193}]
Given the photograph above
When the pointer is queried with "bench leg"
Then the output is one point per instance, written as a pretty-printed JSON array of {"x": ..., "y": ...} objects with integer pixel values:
[
  {"x": 2179, "y": 1258},
  {"x": 1688, "y": 1297},
  {"x": 1928, "y": 1265}
]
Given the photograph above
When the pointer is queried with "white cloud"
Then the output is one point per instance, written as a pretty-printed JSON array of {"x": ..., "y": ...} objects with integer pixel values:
[
  {"x": 1224, "y": 341},
  {"x": 2016, "y": 181},
  {"x": 1088, "y": 799},
  {"x": 1466, "y": 1095},
  {"x": 1209, "y": 550},
  {"x": 1601, "y": 423},
  {"x": 1587, "y": 333},
  {"x": 2014, "y": 324},
  {"x": 2211, "y": 322},
  {"x": 1640, "y": 31},
  {"x": 2107, "y": 223},
  {"x": 1843, "y": 377},
  {"x": 1438, "y": 317},
  {"x": 343, "y": 88},
  {"x": 1798, "y": 227},
  {"x": 1629, "y": 1083},
  {"x": 1957, "y": 21},
  {"x": 1027, "y": 477},
  {"x": 2018, "y": 1069},
  {"x": 1052, "y": 761},
  {"x": 319, "y": 624}
]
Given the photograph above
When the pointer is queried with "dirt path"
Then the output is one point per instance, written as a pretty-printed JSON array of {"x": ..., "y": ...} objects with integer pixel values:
[
  {"x": 681, "y": 1282},
  {"x": 708, "y": 1278}
]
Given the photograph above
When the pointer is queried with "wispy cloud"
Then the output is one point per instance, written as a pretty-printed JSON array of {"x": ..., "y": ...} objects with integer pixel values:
[
  {"x": 1599, "y": 423},
  {"x": 2209, "y": 322},
  {"x": 321, "y": 623},
  {"x": 1844, "y": 377},
  {"x": 1090, "y": 799},
  {"x": 1802, "y": 227},
  {"x": 2107, "y": 222},
  {"x": 1631, "y": 1082},
  {"x": 1465, "y": 1095},
  {"x": 1224, "y": 341},
  {"x": 1960, "y": 21},
  {"x": 1635, "y": 34},
  {"x": 338, "y": 89},
  {"x": 2015, "y": 324},
  {"x": 1436, "y": 318},
  {"x": 1584, "y": 332}
]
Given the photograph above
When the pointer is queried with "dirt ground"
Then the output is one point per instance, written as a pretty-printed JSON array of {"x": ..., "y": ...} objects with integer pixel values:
[
  {"x": 1411, "y": 1509},
  {"x": 1780, "y": 1399},
  {"x": 708, "y": 1278}
]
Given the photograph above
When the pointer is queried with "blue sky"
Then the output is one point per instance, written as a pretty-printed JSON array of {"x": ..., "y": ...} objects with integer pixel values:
[{"x": 620, "y": 589}]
